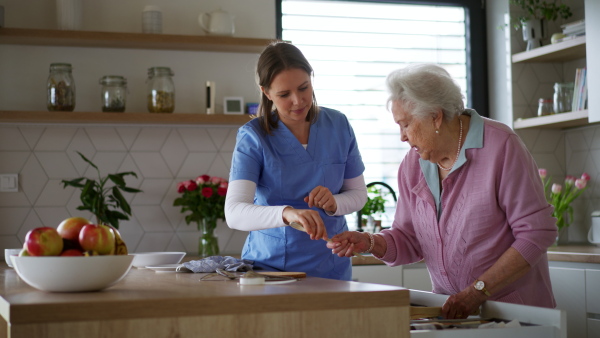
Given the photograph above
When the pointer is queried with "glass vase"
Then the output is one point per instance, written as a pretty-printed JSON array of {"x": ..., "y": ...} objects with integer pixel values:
[{"x": 208, "y": 245}]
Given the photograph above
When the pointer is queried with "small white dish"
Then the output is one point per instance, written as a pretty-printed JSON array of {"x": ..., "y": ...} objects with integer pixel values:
[
  {"x": 164, "y": 267},
  {"x": 10, "y": 252},
  {"x": 144, "y": 259}
]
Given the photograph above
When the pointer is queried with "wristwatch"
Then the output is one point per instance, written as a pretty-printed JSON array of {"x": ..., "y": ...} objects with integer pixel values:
[{"x": 480, "y": 286}]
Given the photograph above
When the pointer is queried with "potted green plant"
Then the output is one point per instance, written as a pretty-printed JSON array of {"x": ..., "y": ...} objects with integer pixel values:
[
  {"x": 375, "y": 205},
  {"x": 534, "y": 17},
  {"x": 106, "y": 203}
]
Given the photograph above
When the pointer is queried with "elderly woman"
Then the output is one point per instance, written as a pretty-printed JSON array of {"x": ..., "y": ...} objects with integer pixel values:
[{"x": 470, "y": 203}]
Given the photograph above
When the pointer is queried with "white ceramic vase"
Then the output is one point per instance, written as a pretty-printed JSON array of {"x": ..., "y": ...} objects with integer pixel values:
[
  {"x": 69, "y": 14},
  {"x": 533, "y": 32}
]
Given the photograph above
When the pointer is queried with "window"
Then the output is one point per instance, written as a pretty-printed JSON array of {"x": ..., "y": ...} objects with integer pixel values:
[{"x": 353, "y": 45}]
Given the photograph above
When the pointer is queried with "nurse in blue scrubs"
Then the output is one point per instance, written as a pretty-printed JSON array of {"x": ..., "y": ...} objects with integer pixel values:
[{"x": 294, "y": 162}]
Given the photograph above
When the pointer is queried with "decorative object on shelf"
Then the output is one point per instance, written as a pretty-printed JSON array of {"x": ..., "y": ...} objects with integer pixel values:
[
  {"x": 563, "y": 96},
  {"x": 561, "y": 197},
  {"x": 544, "y": 107},
  {"x": 536, "y": 14},
  {"x": 152, "y": 20},
  {"x": 113, "y": 93},
  {"x": 69, "y": 14},
  {"x": 106, "y": 203},
  {"x": 233, "y": 105},
  {"x": 161, "y": 90},
  {"x": 204, "y": 197},
  {"x": 252, "y": 109},
  {"x": 210, "y": 97},
  {"x": 61, "y": 88},
  {"x": 218, "y": 22}
]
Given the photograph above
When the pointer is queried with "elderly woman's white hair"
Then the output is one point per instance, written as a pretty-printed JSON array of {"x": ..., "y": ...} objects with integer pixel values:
[{"x": 422, "y": 89}]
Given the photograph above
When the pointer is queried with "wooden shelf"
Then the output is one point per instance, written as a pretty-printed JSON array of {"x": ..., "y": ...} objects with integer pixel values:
[
  {"x": 559, "y": 52},
  {"x": 120, "y": 118},
  {"x": 555, "y": 121},
  {"x": 46, "y": 37}
]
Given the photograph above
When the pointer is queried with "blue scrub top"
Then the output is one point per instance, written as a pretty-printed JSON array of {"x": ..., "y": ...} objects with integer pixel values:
[{"x": 285, "y": 173}]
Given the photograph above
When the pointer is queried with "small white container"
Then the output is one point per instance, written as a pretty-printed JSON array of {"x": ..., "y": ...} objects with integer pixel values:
[
  {"x": 594, "y": 233},
  {"x": 69, "y": 14},
  {"x": 152, "y": 20}
]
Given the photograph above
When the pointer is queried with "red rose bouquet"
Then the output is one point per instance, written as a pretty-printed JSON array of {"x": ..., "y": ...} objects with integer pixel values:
[{"x": 204, "y": 197}]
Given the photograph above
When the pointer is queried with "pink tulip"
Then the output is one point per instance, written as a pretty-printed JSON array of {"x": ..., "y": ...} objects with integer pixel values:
[
  {"x": 216, "y": 180},
  {"x": 180, "y": 187},
  {"x": 556, "y": 188},
  {"x": 222, "y": 191},
  {"x": 580, "y": 183},
  {"x": 543, "y": 173},
  {"x": 224, "y": 185},
  {"x": 585, "y": 177},
  {"x": 569, "y": 180}
]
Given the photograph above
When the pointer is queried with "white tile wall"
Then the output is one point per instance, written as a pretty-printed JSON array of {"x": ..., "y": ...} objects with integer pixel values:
[{"x": 161, "y": 157}]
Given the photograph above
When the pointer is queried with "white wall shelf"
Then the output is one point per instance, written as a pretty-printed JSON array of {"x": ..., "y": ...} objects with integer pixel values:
[
  {"x": 559, "y": 52},
  {"x": 48, "y": 37},
  {"x": 555, "y": 121},
  {"x": 120, "y": 118}
]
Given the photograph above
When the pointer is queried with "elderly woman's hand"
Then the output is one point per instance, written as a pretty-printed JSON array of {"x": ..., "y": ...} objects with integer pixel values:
[
  {"x": 310, "y": 220},
  {"x": 463, "y": 304},
  {"x": 321, "y": 197},
  {"x": 349, "y": 242}
]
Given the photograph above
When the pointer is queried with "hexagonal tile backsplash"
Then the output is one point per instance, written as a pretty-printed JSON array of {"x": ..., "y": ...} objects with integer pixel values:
[{"x": 160, "y": 156}]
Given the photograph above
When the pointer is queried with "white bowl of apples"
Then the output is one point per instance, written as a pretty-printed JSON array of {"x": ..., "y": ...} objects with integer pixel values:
[{"x": 75, "y": 257}]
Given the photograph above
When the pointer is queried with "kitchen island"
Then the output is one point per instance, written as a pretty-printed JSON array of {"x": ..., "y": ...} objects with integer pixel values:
[{"x": 167, "y": 304}]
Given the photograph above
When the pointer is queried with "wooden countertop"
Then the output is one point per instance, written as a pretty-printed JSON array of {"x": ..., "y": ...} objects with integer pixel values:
[
  {"x": 147, "y": 294},
  {"x": 579, "y": 253}
]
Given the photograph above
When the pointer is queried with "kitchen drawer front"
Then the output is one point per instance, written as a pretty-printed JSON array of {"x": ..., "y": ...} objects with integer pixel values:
[
  {"x": 592, "y": 289},
  {"x": 593, "y": 328}
]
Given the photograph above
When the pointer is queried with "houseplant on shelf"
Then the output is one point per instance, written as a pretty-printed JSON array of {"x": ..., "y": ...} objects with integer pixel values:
[
  {"x": 536, "y": 14},
  {"x": 204, "y": 197},
  {"x": 375, "y": 206},
  {"x": 106, "y": 203},
  {"x": 561, "y": 196}
]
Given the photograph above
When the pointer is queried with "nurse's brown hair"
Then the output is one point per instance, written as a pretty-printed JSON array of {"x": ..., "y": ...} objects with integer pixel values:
[{"x": 277, "y": 57}]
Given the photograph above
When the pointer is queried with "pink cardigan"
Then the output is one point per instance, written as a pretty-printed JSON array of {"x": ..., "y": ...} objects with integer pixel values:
[{"x": 495, "y": 200}]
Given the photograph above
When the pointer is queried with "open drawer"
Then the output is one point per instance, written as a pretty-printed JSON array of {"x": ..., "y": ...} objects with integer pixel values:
[{"x": 536, "y": 322}]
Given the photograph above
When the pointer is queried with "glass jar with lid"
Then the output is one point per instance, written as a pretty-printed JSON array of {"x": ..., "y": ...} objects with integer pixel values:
[
  {"x": 161, "y": 90},
  {"x": 544, "y": 107},
  {"x": 61, "y": 88},
  {"x": 113, "y": 93}
]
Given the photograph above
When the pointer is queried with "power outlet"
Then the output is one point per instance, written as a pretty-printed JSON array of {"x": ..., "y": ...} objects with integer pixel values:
[{"x": 9, "y": 182}]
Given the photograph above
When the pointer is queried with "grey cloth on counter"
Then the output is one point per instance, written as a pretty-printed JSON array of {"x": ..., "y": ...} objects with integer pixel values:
[{"x": 212, "y": 263}]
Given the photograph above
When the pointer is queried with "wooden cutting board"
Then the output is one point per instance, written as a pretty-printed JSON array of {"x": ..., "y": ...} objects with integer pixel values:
[{"x": 284, "y": 274}]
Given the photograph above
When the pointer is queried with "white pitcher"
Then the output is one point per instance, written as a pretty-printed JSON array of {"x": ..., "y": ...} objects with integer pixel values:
[{"x": 218, "y": 22}]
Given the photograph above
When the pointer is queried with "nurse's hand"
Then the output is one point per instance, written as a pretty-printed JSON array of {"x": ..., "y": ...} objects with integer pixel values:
[
  {"x": 310, "y": 220},
  {"x": 321, "y": 197},
  {"x": 349, "y": 242}
]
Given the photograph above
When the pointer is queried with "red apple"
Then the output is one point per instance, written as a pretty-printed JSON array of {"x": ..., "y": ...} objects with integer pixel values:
[
  {"x": 70, "y": 227},
  {"x": 99, "y": 238},
  {"x": 72, "y": 252},
  {"x": 44, "y": 241}
]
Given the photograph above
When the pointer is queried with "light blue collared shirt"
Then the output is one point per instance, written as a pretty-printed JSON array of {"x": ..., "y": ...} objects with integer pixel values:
[{"x": 430, "y": 170}]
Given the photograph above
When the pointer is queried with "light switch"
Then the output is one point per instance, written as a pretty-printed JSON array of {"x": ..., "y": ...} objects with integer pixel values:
[{"x": 9, "y": 182}]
